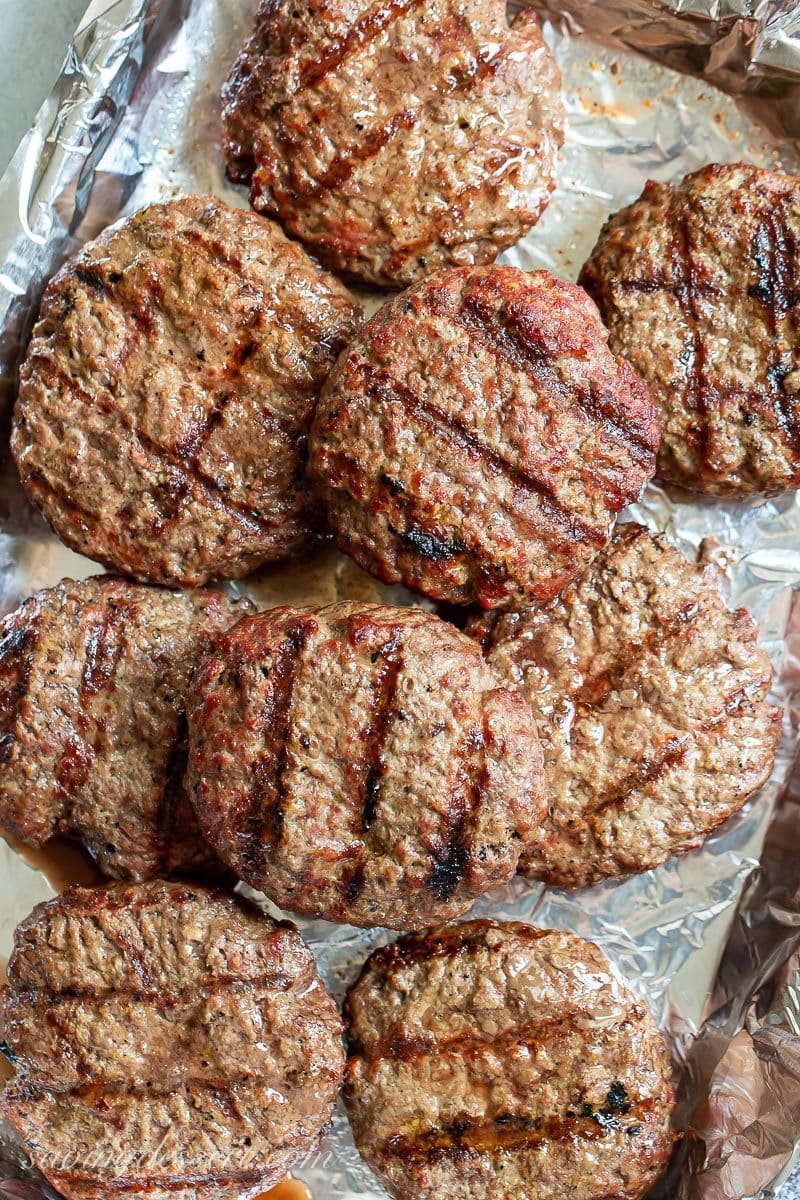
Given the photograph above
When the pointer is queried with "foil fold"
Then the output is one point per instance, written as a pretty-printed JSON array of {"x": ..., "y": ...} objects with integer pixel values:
[{"x": 710, "y": 940}]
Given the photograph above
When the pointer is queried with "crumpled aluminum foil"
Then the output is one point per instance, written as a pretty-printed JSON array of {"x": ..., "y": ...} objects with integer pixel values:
[{"x": 712, "y": 940}]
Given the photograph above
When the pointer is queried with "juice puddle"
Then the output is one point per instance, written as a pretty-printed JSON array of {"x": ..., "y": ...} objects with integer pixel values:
[
  {"x": 290, "y": 1189},
  {"x": 61, "y": 861}
]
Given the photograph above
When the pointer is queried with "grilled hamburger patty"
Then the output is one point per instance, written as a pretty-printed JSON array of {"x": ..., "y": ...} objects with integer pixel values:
[
  {"x": 498, "y": 1060},
  {"x": 167, "y": 391},
  {"x": 92, "y": 733},
  {"x": 359, "y": 763},
  {"x": 395, "y": 136},
  {"x": 477, "y": 440},
  {"x": 649, "y": 696},
  {"x": 698, "y": 283},
  {"x": 171, "y": 1041}
]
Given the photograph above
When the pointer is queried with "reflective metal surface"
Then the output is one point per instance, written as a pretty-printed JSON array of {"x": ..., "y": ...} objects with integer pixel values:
[{"x": 705, "y": 938}]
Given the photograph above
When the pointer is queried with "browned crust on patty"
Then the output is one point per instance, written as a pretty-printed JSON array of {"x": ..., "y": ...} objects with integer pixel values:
[
  {"x": 93, "y": 676},
  {"x": 500, "y": 1060},
  {"x": 698, "y": 283},
  {"x": 477, "y": 440},
  {"x": 168, "y": 1039},
  {"x": 359, "y": 763},
  {"x": 394, "y": 137},
  {"x": 167, "y": 391},
  {"x": 649, "y": 694}
]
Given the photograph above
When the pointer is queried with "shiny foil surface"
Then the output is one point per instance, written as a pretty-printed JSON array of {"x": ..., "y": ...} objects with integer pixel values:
[{"x": 709, "y": 940}]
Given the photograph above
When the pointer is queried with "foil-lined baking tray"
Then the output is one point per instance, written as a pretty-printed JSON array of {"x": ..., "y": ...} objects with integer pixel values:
[{"x": 708, "y": 939}]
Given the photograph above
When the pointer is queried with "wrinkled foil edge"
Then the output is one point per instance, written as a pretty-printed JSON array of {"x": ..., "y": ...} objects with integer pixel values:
[{"x": 756, "y": 50}]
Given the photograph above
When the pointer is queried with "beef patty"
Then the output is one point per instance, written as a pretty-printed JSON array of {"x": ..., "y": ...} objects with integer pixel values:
[
  {"x": 360, "y": 763},
  {"x": 649, "y": 695},
  {"x": 170, "y": 1042},
  {"x": 477, "y": 440},
  {"x": 93, "y": 677},
  {"x": 395, "y": 136},
  {"x": 497, "y": 1061},
  {"x": 167, "y": 391},
  {"x": 698, "y": 283}
]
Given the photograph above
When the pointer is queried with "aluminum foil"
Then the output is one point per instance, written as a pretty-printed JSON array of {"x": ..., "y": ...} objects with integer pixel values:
[{"x": 710, "y": 939}]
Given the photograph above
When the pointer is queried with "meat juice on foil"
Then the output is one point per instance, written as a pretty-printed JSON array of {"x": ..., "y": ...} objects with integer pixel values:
[{"x": 709, "y": 939}]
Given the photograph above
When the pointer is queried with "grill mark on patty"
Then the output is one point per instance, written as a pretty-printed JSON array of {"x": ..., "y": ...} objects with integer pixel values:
[
  {"x": 417, "y": 535},
  {"x": 17, "y": 659},
  {"x": 166, "y": 807},
  {"x": 737, "y": 701},
  {"x": 190, "y": 448},
  {"x": 686, "y": 292},
  {"x": 133, "y": 957},
  {"x": 450, "y": 225},
  {"x": 512, "y": 344},
  {"x": 466, "y": 1138},
  {"x": 451, "y": 862},
  {"x": 594, "y": 689},
  {"x": 376, "y": 139},
  {"x": 84, "y": 907},
  {"x": 215, "y": 248},
  {"x": 276, "y": 981},
  {"x": 792, "y": 291},
  {"x": 105, "y": 642},
  {"x": 360, "y": 34},
  {"x": 167, "y": 1183},
  {"x": 429, "y": 546},
  {"x": 263, "y": 820},
  {"x": 26, "y": 1010},
  {"x": 389, "y": 663},
  {"x": 71, "y": 773},
  {"x": 658, "y": 283},
  {"x": 90, "y": 276},
  {"x": 342, "y": 168},
  {"x": 62, "y": 1031},
  {"x": 36, "y": 484},
  {"x": 142, "y": 311},
  {"x": 381, "y": 386},
  {"x": 343, "y": 473},
  {"x": 792, "y": 303},
  {"x": 407, "y": 1048},
  {"x": 96, "y": 1096},
  {"x": 773, "y": 253},
  {"x": 187, "y": 472},
  {"x": 672, "y": 751},
  {"x": 451, "y": 858},
  {"x": 448, "y": 943}
]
